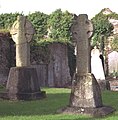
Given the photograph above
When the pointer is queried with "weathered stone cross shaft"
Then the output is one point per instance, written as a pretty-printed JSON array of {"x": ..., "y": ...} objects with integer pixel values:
[{"x": 22, "y": 32}]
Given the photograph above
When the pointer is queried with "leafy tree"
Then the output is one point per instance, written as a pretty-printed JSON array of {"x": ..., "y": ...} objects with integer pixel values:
[
  {"x": 102, "y": 27},
  {"x": 7, "y": 20},
  {"x": 59, "y": 23},
  {"x": 39, "y": 21}
]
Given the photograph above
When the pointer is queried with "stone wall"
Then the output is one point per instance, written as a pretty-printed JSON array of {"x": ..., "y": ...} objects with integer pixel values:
[
  {"x": 58, "y": 68},
  {"x": 6, "y": 56},
  {"x": 52, "y": 63}
]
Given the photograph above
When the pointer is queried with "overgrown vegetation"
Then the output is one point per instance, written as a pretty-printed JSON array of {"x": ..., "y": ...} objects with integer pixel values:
[
  {"x": 39, "y": 21},
  {"x": 114, "y": 43},
  {"x": 59, "y": 25},
  {"x": 102, "y": 27},
  {"x": 7, "y": 20},
  {"x": 48, "y": 28},
  {"x": 56, "y": 26}
]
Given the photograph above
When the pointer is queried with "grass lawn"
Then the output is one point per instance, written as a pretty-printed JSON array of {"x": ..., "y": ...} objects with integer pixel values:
[{"x": 45, "y": 109}]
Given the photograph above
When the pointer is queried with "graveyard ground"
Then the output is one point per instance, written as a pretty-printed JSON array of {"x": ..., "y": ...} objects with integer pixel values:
[{"x": 45, "y": 109}]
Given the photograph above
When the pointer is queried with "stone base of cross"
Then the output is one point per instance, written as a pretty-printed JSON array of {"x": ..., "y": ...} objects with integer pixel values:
[
  {"x": 86, "y": 98},
  {"x": 22, "y": 84},
  {"x": 85, "y": 92}
]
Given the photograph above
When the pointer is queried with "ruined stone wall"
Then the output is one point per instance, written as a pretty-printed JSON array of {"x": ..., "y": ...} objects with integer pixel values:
[
  {"x": 6, "y": 56},
  {"x": 58, "y": 68},
  {"x": 53, "y": 60}
]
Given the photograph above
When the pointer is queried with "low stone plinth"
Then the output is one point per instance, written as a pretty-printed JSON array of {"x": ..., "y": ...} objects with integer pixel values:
[
  {"x": 22, "y": 84},
  {"x": 95, "y": 112}
]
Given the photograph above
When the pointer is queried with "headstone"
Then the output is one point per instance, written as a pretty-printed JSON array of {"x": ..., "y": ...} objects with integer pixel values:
[
  {"x": 85, "y": 95},
  {"x": 22, "y": 81},
  {"x": 113, "y": 70},
  {"x": 113, "y": 62},
  {"x": 97, "y": 68}
]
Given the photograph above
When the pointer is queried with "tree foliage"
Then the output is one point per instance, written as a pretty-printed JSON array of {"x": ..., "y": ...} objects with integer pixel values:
[
  {"x": 114, "y": 44},
  {"x": 102, "y": 27},
  {"x": 39, "y": 21},
  {"x": 59, "y": 23},
  {"x": 7, "y": 20}
]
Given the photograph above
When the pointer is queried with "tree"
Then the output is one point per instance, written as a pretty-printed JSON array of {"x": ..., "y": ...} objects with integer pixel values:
[
  {"x": 39, "y": 21},
  {"x": 7, "y": 20},
  {"x": 59, "y": 23},
  {"x": 102, "y": 27}
]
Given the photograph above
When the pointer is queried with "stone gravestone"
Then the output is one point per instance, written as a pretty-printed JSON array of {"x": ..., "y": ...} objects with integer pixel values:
[
  {"x": 85, "y": 95},
  {"x": 22, "y": 81},
  {"x": 113, "y": 62},
  {"x": 97, "y": 68},
  {"x": 113, "y": 70}
]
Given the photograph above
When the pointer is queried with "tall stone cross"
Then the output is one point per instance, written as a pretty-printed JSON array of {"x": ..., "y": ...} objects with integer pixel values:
[
  {"x": 22, "y": 32},
  {"x": 85, "y": 97},
  {"x": 22, "y": 83},
  {"x": 85, "y": 91}
]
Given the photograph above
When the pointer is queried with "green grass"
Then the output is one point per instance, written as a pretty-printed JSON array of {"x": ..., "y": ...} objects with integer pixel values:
[{"x": 45, "y": 109}]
